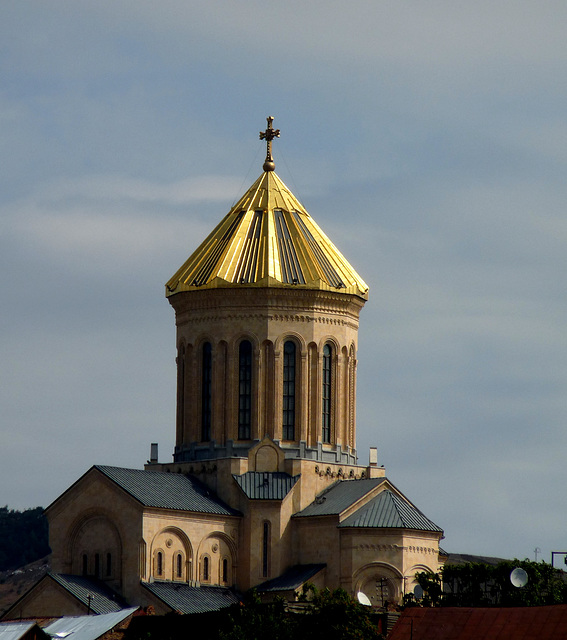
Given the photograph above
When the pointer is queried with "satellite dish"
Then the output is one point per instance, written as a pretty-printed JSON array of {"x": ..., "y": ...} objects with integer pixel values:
[
  {"x": 363, "y": 599},
  {"x": 518, "y": 577},
  {"x": 418, "y": 591}
]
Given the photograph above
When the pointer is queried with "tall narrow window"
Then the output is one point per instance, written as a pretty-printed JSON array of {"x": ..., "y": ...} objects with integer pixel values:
[
  {"x": 289, "y": 391},
  {"x": 108, "y": 564},
  {"x": 327, "y": 393},
  {"x": 266, "y": 550},
  {"x": 179, "y": 565},
  {"x": 206, "y": 377},
  {"x": 85, "y": 564},
  {"x": 159, "y": 563},
  {"x": 97, "y": 565},
  {"x": 180, "y": 388},
  {"x": 245, "y": 390},
  {"x": 205, "y": 568},
  {"x": 225, "y": 570}
]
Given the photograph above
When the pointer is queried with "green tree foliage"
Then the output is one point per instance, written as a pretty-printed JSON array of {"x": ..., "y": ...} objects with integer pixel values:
[
  {"x": 482, "y": 585},
  {"x": 332, "y": 615},
  {"x": 23, "y": 537}
]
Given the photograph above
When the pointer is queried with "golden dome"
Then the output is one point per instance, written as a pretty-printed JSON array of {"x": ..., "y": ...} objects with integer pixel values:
[{"x": 268, "y": 240}]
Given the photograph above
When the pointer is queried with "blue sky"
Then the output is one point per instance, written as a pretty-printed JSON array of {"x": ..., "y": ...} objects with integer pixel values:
[{"x": 428, "y": 140}]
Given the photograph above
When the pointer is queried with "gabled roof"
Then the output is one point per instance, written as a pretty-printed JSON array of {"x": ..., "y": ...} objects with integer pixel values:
[
  {"x": 93, "y": 594},
  {"x": 340, "y": 496},
  {"x": 167, "y": 490},
  {"x": 268, "y": 239},
  {"x": 188, "y": 599},
  {"x": 387, "y": 510},
  {"x": 293, "y": 578},
  {"x": 87, "y": 627},
  {"x": 266, "y": 486}
]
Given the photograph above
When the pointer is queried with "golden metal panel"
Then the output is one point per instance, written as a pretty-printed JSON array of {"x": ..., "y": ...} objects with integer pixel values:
[{"x": 229, "y": 257}]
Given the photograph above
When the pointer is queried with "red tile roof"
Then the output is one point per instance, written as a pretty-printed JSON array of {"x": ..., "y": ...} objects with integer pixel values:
[{"x": 464, "y": 623}]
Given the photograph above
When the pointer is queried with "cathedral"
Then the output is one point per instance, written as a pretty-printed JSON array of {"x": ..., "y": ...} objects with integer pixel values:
[{"x": 265, "y": 490}]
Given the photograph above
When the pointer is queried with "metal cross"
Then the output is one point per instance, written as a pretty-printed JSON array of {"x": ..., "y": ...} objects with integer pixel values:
[{"x": 268, "y": 135}]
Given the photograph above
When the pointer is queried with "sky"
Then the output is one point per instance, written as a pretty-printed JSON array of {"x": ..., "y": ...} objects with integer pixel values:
[{"x": 427, "y": 139}]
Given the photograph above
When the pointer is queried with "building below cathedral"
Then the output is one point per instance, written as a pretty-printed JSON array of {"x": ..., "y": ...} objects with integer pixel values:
[{"x": 264, "y": 489}]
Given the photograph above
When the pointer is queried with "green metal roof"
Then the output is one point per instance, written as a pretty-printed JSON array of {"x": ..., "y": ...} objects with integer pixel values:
[
  {"x": 167, "y": 490},
  {"x": 293, "y": 578},
  {"x": 387, "y": 510},
  {"x": 188, "y": 599},
  {"x": 266, "y": 486},
  {"x": 102, "y": 598},
  {"x": 339, "y": 496}
]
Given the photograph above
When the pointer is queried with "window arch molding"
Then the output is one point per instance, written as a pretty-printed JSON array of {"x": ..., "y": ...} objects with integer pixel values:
[
  {"x": 293, "y": 336},
  {"x": 180, "y": 544}
]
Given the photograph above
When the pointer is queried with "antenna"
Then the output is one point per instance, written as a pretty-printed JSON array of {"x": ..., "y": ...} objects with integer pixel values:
[
  {"x": 518, "y": 577},
  {"x": 363, "y": 599}
]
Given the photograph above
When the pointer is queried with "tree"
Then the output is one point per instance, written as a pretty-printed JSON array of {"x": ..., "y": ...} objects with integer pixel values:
[
  {"x": 481, "y": 585},
  {"x": 23, "y": 537}
]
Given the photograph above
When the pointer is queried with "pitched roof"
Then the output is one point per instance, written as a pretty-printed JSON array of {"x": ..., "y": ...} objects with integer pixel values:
[
  {"x": 462, "y": 623},
  {"x": 93, "y": 594},
  {"x": 268, "y": 239},
  {"x": 266, "y": 486},
  {"x": 339, "y": 497},
  {"x": 167, "y": 490},
  {"x": 188, "y": 599},
  {"x": 388, "y": 510},
  {"x": 293, "y": 578},
  {"x": 87, "y": 627}
]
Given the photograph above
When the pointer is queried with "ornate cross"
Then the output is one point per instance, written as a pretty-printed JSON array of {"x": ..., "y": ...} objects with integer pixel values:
[{"x": 268, "y": 135}]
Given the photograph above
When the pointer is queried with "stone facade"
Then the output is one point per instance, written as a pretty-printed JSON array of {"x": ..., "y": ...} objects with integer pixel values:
[{"x": 267, "y": 313}]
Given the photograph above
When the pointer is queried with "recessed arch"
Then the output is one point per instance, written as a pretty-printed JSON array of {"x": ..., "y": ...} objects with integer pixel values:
[{"x": 380, "y": 582}]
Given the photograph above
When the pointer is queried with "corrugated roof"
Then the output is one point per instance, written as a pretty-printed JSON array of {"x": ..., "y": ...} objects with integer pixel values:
[
  {"x": 387, "y": 510},
  {"x": 168, "y": 490},
  {"x": 15, "y": 630},
  {"x": 102, "y": 598},
  {"x": 188, "y": 599},
  {"x": 293, "y": 578},
  {"x": 339, "y": 497},
  {"x": 268, "y": 239},
  {"x": 87, "y": 627},
  {"x": 266, "y": 486}
]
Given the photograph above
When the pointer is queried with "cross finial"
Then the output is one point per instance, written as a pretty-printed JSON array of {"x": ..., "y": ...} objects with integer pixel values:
[{"x": 268, "y": 135}]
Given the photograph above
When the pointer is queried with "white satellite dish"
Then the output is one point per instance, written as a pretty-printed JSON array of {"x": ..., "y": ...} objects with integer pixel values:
[
  {"x": 518, "y": 577},
  {"x": 418, "y": 591},
  {"x": 363, "y": 599}
]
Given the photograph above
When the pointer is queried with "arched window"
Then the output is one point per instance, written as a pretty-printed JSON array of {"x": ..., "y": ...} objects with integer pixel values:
[
  {"x": 206, "y": 377},
  {"x": 266, "y": 530},
  {"x": 244, "y": 390},
  {"x": 85, "y": 564},
  {"x": 159, "y": 563},
  {"x": 179, "y": 565},
  {"x": 327, "y": 393},
  {"x": 206, "y": 573},
  {"x": 289, "y": 375},
  {"x": 225, "y": 570}
]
